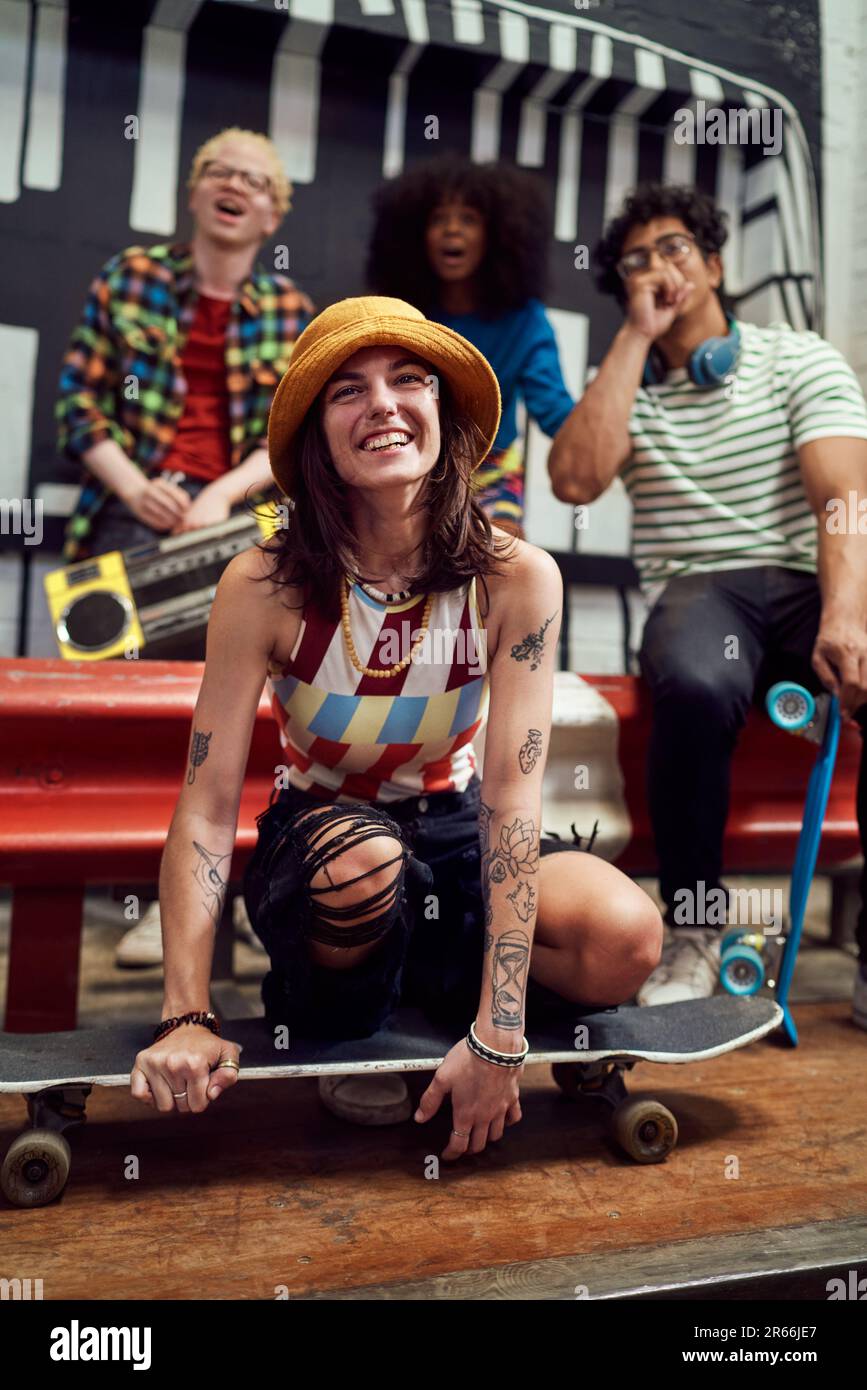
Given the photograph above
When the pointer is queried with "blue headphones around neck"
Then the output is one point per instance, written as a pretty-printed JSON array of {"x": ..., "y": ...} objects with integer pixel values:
[{"x": 708, "y": 366}]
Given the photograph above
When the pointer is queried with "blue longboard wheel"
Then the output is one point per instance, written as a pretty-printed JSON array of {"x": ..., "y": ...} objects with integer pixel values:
[
  {"x": 742, "y": 936},
  {"x": 741, "y": 970},
  {"x": 790, "y": 706}
]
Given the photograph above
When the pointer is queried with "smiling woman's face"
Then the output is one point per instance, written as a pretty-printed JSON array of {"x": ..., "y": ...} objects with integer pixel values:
[{"x": 380, "y": 414}]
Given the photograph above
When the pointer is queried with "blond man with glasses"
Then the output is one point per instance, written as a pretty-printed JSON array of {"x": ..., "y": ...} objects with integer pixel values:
[{"x": 167, "y": 382}]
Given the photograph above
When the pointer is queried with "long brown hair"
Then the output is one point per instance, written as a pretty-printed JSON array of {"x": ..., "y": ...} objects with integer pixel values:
[{"x": 315, "y": 548}]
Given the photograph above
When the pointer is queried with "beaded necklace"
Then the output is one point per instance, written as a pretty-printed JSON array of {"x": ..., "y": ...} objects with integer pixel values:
[{"x": 350, "y": 645}]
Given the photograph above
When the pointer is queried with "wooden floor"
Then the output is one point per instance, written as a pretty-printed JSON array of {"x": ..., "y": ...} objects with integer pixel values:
[{"x": 268, "y": 1189}]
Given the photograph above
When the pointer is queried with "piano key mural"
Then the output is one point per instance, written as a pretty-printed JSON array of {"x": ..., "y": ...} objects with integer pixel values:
[{"x": 585, "y": 93}]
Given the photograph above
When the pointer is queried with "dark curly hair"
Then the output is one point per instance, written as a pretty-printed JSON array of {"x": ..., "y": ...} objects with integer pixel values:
[
  {"x": 696, "y": 210},
  {"x": 315, "y": 547},
  {"x": 517, "y": 223}
]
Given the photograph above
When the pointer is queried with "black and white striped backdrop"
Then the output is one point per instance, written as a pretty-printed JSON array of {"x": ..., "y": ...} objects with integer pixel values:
[{"x": 584, "y": 93}]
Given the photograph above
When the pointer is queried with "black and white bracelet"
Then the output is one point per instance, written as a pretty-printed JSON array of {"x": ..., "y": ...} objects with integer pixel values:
[{"x": 499, "y": 1059}]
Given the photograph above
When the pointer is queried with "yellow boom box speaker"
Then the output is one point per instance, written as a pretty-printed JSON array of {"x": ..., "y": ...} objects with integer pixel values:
[{"x": 156, "y": 596}]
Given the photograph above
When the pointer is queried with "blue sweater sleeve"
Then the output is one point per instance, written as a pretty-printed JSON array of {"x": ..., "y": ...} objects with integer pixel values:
[{"x": 542, "y": 385}]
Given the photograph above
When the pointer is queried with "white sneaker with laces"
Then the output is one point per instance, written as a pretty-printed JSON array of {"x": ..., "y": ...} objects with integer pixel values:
[
  {"x": 143, "y": 944},
  {"x": 859, "y": 998},
  {"x": 374, "y": 1098},
  {"x": 688, "y": 968}
]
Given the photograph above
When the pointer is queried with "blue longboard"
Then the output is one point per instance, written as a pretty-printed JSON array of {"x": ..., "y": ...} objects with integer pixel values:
[{"x": 793, "y": 708}]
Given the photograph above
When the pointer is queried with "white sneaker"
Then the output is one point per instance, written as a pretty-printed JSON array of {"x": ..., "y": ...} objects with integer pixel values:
[
  {"x": 143, "y": 944},
  {"x": 376, "y": 1098},
  {"x": 688, "y": 968},
  {"x": 859, "y": 999},
  {"x": 244, "y": 927}
]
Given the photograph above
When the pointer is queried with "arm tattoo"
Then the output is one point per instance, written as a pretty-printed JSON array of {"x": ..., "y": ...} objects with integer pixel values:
[
  {"x": 523, "y": 900},
  {"x": 509, "y": 978},
  {"x": 208, "y": 875},
  {"x": 532, "y": 648},
  {"x": 485, "y": 814},
  {"x": 517, "y": 851},
  {"x": 198, "y": 752},
  {"x": 530, "y": 752}
]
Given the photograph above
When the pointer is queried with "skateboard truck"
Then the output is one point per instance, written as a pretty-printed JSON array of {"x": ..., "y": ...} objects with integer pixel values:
[{"x": 644, "y": 1128}]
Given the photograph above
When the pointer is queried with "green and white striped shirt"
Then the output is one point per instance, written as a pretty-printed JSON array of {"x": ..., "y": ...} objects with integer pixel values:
[{"x": 713, "y": 475}]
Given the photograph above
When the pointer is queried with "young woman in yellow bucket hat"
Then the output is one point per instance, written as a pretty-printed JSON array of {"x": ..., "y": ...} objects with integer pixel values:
[{"x": 394, "y": 626}]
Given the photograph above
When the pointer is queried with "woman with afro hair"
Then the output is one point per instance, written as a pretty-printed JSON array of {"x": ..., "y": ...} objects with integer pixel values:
[{"x": 467, "y": 244}]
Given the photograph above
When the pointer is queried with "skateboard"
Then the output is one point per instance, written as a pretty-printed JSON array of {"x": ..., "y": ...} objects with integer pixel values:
[
  {"x": 743, "y": 954},
  {"x": 589, "y": 1053}
]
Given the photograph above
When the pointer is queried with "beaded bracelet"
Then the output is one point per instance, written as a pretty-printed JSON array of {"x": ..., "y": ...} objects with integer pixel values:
[
  {"x": 168, "y": 1025},
  {"x": 488, "y": 1054}
]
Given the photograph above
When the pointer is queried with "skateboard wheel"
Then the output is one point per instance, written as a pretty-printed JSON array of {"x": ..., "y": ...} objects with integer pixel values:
[
  {"x": 739, "y": 937},
  {"x": 790, "y": 706},
  {"x": 36, "y": 1168},
  {"x": 741, "y": 970},
  {"x": 644, "y": 1129}
]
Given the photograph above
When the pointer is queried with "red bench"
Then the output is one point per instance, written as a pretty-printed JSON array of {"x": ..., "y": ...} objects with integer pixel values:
[
  {"x": 92, "y": 759},
  {"x": 769, "y": 781}
]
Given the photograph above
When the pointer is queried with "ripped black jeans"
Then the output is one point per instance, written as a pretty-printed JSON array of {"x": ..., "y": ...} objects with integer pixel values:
[{"x": 430, "y": 923}]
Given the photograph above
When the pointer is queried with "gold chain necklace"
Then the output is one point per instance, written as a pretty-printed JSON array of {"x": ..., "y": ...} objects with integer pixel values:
[{"x": 350, "y": 645}]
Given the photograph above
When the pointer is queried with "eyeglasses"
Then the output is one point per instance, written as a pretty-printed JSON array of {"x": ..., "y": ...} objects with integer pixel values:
[
  {"x": 674, "y": 246},
  {"x": 256, "y": 182}
]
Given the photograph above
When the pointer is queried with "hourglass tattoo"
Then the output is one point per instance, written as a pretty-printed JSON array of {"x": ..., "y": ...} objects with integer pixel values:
[
  {"x": 208, "y": 874},
  {"x": 509, "y": 978},
  {"x": 198, "y": 751}
]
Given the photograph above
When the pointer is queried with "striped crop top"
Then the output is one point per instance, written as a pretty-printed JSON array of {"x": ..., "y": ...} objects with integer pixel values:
[{"x": 351, "y": 737}]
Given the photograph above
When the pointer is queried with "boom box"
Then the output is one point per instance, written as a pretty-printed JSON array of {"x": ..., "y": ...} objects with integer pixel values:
[{"x": 156, "y": 596}]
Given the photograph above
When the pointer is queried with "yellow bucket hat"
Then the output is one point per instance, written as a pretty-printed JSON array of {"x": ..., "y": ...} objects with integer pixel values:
[{"x": 375, "y": 321}]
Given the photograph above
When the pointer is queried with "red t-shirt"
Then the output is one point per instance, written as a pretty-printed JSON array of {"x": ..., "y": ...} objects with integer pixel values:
[{"x": 201, "y": 445}]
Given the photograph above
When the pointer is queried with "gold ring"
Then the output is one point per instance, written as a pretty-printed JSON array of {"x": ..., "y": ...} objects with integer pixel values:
[
  {"x": 461, "y": 1134},
  {"x": 177, "y": 1095},
  {"x": 233, "y": 1065}
]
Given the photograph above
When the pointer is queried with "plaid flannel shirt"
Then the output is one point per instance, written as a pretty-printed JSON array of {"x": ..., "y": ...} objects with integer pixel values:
[{"x": 121, "y": 376}]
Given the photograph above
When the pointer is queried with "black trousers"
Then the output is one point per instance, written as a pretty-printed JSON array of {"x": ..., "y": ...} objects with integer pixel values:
[{"x": 701, "y": 697}]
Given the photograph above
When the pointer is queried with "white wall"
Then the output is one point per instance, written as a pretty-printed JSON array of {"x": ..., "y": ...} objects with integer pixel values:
[{"x": 844, "y": 24}]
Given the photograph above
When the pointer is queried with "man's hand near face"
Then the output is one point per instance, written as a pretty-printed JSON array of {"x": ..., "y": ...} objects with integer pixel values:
[{"x": 655, "y": 299}]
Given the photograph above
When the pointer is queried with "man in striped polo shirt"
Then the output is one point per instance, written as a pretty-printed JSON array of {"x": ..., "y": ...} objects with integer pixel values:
[{"x": 738, "y": 446}]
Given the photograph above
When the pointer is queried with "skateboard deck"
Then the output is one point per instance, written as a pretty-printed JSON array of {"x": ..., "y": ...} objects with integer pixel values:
[
  {"x": 589, "y": 1051},
  {"x": 692, "y": 1031}
]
